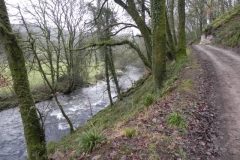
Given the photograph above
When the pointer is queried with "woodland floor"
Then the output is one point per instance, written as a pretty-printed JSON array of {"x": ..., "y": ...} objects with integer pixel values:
[{"x": 207, "y": 94}]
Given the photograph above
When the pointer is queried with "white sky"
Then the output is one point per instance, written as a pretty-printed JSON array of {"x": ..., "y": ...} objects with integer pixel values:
[
  {"x": 11, "y": 10},
  {"x": 14, "y": 20}
]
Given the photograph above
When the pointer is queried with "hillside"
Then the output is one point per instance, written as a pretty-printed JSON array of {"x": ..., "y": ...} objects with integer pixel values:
[
  {"x": 225, "y": 29},
  {"x": 149, "y": 124}
]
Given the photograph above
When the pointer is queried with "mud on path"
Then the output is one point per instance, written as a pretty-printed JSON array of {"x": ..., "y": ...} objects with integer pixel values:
[{"x": 226, "y": 96}]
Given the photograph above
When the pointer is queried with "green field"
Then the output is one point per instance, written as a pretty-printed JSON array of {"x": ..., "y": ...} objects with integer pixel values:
[{"x": 37, "y": 84}]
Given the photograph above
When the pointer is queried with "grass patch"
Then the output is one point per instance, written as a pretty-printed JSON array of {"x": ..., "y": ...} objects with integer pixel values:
[
  {"x": 226, "y": 28},
  {"x": 187, "y": 85},
  {"x": 130, "y": 132},
  {"x": 180, "y": 153},
  {"x": 51, "y": 147},
  {"x": 149, "y": 99},
  {"x": 176, "y": 119},
  {"x": 88, "y": 140}
]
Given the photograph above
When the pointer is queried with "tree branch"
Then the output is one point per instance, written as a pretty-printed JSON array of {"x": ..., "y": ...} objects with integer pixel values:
[
  {"x": 121, "y": 3},
  {"x": 100, "y": 10},
  {"x": 117, "y": 43}
]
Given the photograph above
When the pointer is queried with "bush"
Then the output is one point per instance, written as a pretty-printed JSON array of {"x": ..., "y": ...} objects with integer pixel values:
[
  {"x": 88, "y": 140},
  {"x": 176, "y": 119}
]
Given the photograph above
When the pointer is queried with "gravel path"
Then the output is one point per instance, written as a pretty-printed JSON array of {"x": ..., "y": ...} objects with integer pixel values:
[{"x": 227, "y": 68}]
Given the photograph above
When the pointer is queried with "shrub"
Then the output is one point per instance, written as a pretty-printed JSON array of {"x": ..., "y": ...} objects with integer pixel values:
[
  {"x": 90, "y": 139},
  {"x": 176, "y": 119}
]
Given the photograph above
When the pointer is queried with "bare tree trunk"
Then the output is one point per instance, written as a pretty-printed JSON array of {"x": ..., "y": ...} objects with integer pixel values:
[
  {"x": 172, "y": 21},
  {"x": 64, "y": 114},
  {"x": 143, "y": 10},
  {"x": 222, "y": 7},
  {"x": 170, "y": 39},
  {"x": 229, "y": 4},
  {"x": 33, "y": 131},
  {"x": 113, "y": 71}
]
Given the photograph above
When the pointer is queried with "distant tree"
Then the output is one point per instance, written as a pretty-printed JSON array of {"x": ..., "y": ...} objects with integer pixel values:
[
  {"x": 33, "y": 130},
  {"x": 103, "y": 18},
  {"x": 172, "y": 20},
  {"x": 58, "y": 31},
  {"x": 181, "y": 35}
]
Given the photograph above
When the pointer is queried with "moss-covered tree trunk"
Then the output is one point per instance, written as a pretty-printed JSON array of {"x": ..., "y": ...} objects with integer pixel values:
[
  {"x": 182, "y": 35},
  {"x": 107, "y": 75},
  {"x": 113, "y": 71},
  {"x": 33, "y": 131},
  {"x": 159, "y": 41}
]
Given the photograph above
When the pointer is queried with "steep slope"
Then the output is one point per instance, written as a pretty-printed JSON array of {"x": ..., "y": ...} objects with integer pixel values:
[
  {"x": 173, "y": 123},
  {"x": 225, "y": 30}
]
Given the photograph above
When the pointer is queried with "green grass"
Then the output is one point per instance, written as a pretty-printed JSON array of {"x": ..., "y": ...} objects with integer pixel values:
[
  {"x": 130, "y": 132},
  {"x": 188, "y": 85},
  {"x": 123, "y": 110},
  {"x": 176, "y": 119},
  {"x": 149, "y": 99},
  {"x": 88, "y": 140},
  {"x": 226, "y": 28},
  {"x": 38, "y": 87}
]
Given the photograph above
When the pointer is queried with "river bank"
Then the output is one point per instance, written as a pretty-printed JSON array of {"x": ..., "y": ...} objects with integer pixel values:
[{"x": 78, "y": 105}]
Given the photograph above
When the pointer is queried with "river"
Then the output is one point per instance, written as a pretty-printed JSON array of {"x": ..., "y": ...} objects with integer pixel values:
[{"x": 76, "y": 105}]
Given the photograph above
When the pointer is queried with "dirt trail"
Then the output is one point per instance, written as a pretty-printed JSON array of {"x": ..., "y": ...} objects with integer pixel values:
[{"x": 227, "y": 67}]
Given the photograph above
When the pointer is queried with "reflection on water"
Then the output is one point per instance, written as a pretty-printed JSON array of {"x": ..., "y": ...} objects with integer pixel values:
[{"x": 76, "y": 105}]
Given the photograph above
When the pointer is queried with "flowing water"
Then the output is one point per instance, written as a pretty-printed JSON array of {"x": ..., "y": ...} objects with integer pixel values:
[{"x": 76, "y": 105}]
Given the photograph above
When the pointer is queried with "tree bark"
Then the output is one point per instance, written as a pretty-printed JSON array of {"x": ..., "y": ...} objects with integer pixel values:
[
  {"x": 33, "y": 130},
  {"x": 182, "y": 35},
  {"x": 170, "y": 39},
  {"x": 159, "y": 41},
  {"x": 172, "y": 21},
  {"x": 107, "y": 75},
  {"x": 64, "y": 114},
  {"x": 113, "y": 71}
]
